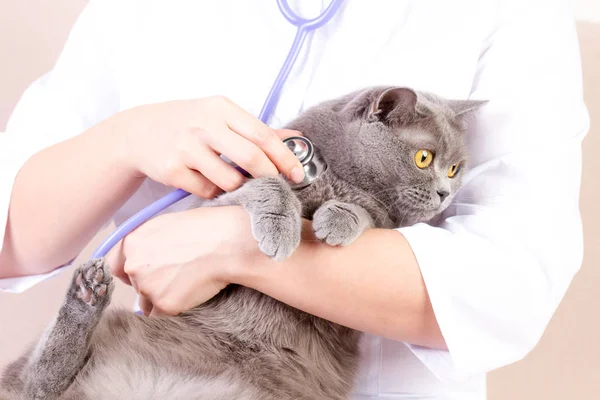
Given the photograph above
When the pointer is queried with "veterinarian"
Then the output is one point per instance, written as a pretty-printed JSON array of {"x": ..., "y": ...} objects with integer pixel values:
[{"x": 146, "y": 95}]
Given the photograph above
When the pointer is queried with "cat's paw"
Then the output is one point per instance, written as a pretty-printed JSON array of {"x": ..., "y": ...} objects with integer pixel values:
[
  {"x": 278, "y": 235},
  {"x": 92, "y": 284},
  {"x": 338, "y": 223},
  {"x": 275, "y": 214}
]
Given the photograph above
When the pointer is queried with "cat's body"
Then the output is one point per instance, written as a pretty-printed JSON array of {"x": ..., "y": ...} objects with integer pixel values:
[
  {"x": 238, "y": 342},
  {"x": 242, "y": 344}
]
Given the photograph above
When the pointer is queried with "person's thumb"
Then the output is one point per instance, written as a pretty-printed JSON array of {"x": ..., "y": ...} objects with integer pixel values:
[{"x": 116, "y": 261}]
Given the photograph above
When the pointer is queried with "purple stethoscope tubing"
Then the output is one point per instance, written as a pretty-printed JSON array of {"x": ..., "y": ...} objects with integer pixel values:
[{"x": 304, "y": 26}]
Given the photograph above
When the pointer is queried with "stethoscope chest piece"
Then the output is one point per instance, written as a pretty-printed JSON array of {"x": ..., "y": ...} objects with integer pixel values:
[{"x": 311, "y": 160}]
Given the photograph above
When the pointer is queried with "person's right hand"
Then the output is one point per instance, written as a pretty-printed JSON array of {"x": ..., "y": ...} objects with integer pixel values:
[{"x": 178, "y": 144}]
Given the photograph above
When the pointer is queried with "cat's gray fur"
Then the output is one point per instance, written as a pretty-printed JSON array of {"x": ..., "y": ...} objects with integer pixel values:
[{"x": 242, "y": 344}]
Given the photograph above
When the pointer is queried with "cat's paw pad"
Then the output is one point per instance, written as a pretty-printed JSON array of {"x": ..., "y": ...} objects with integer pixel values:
[
  {"x": 336, "y": 224},
  {"x": 92, "y": 283},
  {"x": 277, "y": 235}
]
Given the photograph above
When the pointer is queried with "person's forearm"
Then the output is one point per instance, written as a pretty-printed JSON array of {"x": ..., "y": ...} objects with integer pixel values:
[
  {"x": 61, "y": 197},
  {"x": 373, "y": 285}
]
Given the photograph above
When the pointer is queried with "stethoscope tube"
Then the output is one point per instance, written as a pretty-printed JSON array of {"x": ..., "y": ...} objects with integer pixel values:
[{"x": 304, "y": 26}]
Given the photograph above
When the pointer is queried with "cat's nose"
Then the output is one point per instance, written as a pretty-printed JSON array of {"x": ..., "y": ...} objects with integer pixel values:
[{"x": 443, "y": 194}]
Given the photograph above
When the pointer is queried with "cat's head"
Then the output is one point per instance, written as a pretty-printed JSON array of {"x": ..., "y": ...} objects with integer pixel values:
[{"x": 407, "y": 148}]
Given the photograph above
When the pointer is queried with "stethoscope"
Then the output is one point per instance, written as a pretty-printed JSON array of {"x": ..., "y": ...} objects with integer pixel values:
[{"x": 302, "y": 147}]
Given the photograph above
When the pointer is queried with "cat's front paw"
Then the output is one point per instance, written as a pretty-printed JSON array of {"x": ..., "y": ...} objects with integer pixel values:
[
  {"x": 92, "y": 284},
  {"x": 278, "y": 235},
  {"x": 338, "y": 223},
  {"x": 275, "y": 214}
]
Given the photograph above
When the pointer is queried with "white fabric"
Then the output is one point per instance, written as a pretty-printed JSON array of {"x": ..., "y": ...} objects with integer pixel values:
[{"x": 501, "y": 260}]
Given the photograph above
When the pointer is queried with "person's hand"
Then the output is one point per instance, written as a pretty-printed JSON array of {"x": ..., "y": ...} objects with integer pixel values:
[
  {"x": 180, "y": 260},
  {"x": 178, "y": 144}
]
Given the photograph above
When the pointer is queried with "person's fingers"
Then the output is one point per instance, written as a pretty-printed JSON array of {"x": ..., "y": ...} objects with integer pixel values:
[
  {"x": 241, "y": 151},
  {"x": 201, "y": 158},
  {"x": 286, "y": 133},
  {"x": 116, "y": 262},
  {"x": 218, "y": 171},
  {"x": 267, "y": 140},
  {"x": 163, "y": 287},
  {"x": 146, "y": 305},
  {"x": 183, "y": 287},
  {"x": 193, "y": 182}
]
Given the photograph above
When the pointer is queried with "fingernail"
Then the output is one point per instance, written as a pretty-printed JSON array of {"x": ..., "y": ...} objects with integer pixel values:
[{"x": 297, "y": 175}]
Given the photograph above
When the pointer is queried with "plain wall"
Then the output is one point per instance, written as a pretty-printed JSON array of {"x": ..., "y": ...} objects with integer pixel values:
[{"x": 565, "y": 364}]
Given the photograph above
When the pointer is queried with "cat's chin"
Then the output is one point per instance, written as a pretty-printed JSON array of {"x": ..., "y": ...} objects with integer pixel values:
[
  {"x": 420, "y": 208},
  {"x": 410, "y": 214}
]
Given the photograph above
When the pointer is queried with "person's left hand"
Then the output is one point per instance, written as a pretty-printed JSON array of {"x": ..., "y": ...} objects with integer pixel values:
[{"x": 180, "y": 260}]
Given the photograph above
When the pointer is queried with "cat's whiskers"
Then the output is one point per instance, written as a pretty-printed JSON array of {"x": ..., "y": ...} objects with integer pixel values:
[
  {"x": 386, "y": 190},
  {"x": 401, "y": 222},
  {"x": 386, "y": 207}
]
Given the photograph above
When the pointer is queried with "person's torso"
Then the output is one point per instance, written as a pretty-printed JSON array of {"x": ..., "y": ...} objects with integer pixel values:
[{"x": 190, "y": 49}]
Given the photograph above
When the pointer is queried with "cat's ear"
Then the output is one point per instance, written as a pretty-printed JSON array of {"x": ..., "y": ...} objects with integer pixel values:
[
  {"x": 394, "y": 105},
  {"x": 463, "y": 108}
]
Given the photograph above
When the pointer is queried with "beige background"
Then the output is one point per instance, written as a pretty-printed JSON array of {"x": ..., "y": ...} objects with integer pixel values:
[{"x": 566, "y": 363}]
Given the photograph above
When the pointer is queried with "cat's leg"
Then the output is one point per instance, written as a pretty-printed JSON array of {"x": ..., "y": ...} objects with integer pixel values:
[
  {"x": 339, "y": 223},
  {"x": 275, "y": 214},
  {"x": 63, "y": 350}
]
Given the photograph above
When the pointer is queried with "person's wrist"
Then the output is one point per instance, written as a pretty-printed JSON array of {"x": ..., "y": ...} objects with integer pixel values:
[
  {"x": 245, "y": 260},
  {"x": 245, "y": 268},
  {"x": 120, "y": 132},
  {"x": 252, "y": 268}
]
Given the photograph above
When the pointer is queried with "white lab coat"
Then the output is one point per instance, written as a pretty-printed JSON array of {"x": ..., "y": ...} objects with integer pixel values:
[{"x": 496, "y": 267}]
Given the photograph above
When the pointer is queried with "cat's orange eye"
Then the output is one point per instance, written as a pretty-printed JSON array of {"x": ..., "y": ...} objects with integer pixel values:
[
  {"x": 454, "y": 169},
  {"x": 423, "y": 158}
]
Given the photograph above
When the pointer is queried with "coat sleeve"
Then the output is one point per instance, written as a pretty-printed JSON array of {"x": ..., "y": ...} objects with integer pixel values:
[
  {"x": 499, "y": 264},
  {"x": 76, "y": 94}
]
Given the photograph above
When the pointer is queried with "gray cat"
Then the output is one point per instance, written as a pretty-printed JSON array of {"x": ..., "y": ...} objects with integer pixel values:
[{"x": 394, "y": 156}]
